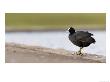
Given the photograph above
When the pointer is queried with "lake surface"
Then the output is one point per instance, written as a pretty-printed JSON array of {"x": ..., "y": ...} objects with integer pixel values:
[{"x": 58, "y": 39}]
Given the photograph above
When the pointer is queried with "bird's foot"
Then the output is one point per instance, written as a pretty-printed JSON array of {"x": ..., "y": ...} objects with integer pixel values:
[{"x": 79, "y": 53}]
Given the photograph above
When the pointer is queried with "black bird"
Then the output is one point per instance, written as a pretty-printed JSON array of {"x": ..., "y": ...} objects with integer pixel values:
[{"x": 80, "y": 38}]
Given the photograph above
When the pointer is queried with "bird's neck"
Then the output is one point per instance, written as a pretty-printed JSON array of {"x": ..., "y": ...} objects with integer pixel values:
[{"x": 71, "y": 33}]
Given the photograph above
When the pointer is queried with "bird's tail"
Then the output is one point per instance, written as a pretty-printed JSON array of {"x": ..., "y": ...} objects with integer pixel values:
[{"x": 93, "y": 40}]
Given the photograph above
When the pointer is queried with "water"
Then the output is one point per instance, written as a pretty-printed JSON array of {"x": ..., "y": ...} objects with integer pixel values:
[{"x": 58, "y": 40}]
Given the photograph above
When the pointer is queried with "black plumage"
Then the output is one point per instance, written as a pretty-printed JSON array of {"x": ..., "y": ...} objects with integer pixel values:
[{"x": 80, "y": 38}]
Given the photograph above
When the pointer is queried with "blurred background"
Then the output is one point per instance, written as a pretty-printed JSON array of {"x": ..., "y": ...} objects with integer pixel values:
[
  {"x": 50, "y": 29},
  {"x": 44, "y": 21}
]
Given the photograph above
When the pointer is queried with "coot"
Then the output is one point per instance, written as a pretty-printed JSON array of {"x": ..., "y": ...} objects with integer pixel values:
[{"x": 80, "y": 38}]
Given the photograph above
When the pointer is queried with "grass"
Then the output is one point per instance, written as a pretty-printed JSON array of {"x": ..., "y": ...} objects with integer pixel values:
[{"x": 54, "y": 20}]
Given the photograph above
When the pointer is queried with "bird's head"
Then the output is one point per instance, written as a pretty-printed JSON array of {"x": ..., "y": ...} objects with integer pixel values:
[{"x": 71, "y": 30}]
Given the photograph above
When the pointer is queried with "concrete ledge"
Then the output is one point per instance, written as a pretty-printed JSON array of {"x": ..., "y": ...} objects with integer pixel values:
[{"x": 19, "y": 53}]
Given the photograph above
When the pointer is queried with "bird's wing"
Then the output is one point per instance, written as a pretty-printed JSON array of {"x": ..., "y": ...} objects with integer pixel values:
[
  {"x": 81, "y": 35},
  {"x": 87, "y": 40},
  {"x": 90, "y": 40}
]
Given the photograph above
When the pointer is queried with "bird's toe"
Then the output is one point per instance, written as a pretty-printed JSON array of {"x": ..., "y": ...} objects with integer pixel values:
[
  {"x": 78, "y": 53},
  {"x": 81, "y": 54}
]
